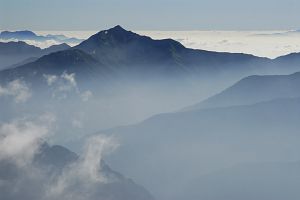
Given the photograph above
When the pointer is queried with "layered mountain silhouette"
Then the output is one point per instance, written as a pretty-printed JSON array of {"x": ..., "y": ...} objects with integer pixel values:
[
  {"x": 202, "y": 141},
  {"x": 14, "y": 54},
  {"x": 128, "y": 53},
  {"x": 250, "y": 121},
  {"x": 51, "y": 163},
  {"x": 291, "y": 60},
  {"x": 256, "y": 119},
  {"x": 17, "y": 47},
  {"x": 125, "y": 51},
  {"x": 118, "y": 46},
  {"x": 12, "y": 48},
  {"x": 29, "y": 35},
  {"x": 254, "y": 89},
  {"x": 72, "y": 61}
]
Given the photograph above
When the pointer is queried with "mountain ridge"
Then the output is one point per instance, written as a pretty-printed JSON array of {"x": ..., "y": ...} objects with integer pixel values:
[
  {"x": 30, "y": 35},
  {"x": 129, "y": 53},
  {"x": 253, "y": 89},
  {"x": 206, "y": 140},
  {"x": 129, "y": 48},
  {"x": 12, "y": 53}
]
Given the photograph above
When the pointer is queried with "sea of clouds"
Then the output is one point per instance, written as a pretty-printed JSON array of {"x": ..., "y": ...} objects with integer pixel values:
[{"x": 269, "y": 44}]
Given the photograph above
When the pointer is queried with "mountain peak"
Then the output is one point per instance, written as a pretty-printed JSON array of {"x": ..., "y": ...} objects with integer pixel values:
[
  {"x": 107, "y": 39},
  {"x": 117, "y": 28}
]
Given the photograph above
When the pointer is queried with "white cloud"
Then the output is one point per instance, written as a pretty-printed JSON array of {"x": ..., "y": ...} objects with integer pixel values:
[
  {"x": 96, "y": 148},
  {"x": 51, "y": 79},
  {"x": 19, "y": 141},
  {"x": 87, "y": 171},
  {"x": 16, "y": 89},
  {"x": 70, "y": 78},
  {"x": 62, "y": 85},
  {"x": 65, "y": 84}
]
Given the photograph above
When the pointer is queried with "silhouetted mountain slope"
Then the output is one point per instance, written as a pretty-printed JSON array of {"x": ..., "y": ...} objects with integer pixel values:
[
  {"x": 55, "y": 156},
  {"x": 121, "y": 47},
  {"x": 55, "y": 48},
  {"x": 128, "y": 53},
  {"x": 118, "y": 46},
  {"x": 48, "y": 178},
  {"x": 15, "y": 52},
  {"x": 12, "y": 48},
  {"x": 23, "y": 62},
  {"x": 17, "y": 48},
  {"x": 263, "y": 116},
  {"x": 292, "y": 59},
  {"x": 270, "y": 181},
  {"x": 254, "y": 89},
  {"x": 121, "y": 53},
  {"x": 201, "y": 141},
  {"x": 71, "y": 61}
]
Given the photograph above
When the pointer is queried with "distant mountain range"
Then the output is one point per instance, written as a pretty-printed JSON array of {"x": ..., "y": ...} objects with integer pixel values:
[
  {"x": 13, "y": 48},
  {"x": 247, "y": 122},
  {"x": 29, "y": 35},
  {"x": 203, "y": 141},
  {"x": 128, "y": 53}
]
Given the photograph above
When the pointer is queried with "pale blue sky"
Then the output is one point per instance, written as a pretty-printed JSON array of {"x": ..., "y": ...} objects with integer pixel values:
[{"x": 150, "y": 15}]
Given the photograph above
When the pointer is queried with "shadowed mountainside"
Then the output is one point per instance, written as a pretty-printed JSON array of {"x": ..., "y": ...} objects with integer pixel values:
[{"x": 51, "y": 164}]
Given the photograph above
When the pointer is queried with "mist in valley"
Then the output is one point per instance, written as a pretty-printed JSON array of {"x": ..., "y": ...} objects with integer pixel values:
[{"x": 123, "y": 116}]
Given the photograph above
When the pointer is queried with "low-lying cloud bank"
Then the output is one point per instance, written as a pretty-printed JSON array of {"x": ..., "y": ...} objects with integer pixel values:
[{"x": 269, "y": 44}]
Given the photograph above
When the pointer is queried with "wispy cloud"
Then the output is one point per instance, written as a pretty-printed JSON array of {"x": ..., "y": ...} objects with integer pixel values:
[
  {"x": 69, "y": 80},
  {"x": 87, "y": 171},
  {"x": 16, "y": 89},
  {"x": 66, "y": 84},
  {"x": 20, "y": 140},
  {"x": 51, "y": 79}
]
